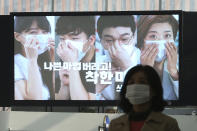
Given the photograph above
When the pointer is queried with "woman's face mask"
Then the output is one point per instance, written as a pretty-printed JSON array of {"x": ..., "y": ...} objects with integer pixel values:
[
  {"x": 138, "y": 93},
  {"x": 160, "y": 33},
  {"x": 79, "y": 46},
  {"x": 161, "y": 47},
  {"x": 42, "y": 41}
]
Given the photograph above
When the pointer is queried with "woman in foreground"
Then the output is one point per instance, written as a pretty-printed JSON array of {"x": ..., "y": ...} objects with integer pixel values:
[{"x": 141, "y": 99}]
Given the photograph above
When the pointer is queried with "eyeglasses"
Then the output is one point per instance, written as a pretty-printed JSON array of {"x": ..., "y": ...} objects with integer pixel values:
[{"x": 123, "y": 40}]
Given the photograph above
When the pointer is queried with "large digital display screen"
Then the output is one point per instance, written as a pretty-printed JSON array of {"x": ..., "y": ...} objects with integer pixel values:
[{"x": 85, "y": 57}]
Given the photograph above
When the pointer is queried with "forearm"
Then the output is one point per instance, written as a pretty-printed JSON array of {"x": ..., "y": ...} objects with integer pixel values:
[
  {"x": 17, "y": 94},
  {"x": 77, "y": 90},
  {"x": 174, "y": 74},
  {"x": 63, "y": 94},
  {"x": 34, "y": 82},
  {"x": 175, "y": 86}
]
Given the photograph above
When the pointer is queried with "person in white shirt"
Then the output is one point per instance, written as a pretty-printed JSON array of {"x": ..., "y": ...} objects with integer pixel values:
[
  {"x": 118, "y": 38},
  {"x": 32, "y": 81},
  {"x": 156, "y": 39}
]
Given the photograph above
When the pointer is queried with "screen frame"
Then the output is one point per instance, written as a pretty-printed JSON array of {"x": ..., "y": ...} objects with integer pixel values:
[{"x": 95, "y": 102}]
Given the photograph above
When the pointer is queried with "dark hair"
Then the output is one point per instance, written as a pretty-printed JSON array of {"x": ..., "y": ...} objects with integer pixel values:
[
  {"x": 21, "y": 24},
  {"x": 114, "y": 21},
  {"x": 146, "y": 21},
  {"x": 157, "y": 102},
  {"x": 76, "y": 24}
]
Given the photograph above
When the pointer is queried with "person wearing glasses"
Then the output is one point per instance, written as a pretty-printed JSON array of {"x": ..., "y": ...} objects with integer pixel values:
[{"x": 118, "y": 38}]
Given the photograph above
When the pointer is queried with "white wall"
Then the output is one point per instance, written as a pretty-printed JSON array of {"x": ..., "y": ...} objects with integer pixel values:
[{"x": 53, "y": 121}]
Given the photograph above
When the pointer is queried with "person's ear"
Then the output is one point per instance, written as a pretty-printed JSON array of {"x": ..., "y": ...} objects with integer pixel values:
[
  {"x": 92, "y": 39},
  {"x": 17, "y": 36}
]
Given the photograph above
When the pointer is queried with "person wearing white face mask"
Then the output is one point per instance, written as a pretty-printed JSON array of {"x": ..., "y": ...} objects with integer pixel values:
[
  {"x": 118, "y": 38},
  {"x": 31, "y": 50},
  {"x": 141, "y": 99},
  {"x": 156, "y": 39},
  {"x": 42, "y": 40},
  {"x": 76, "y": 45}
]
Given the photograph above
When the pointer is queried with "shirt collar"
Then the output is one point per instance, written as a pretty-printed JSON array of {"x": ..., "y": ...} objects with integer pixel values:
[{"x": 154, "y": 116}]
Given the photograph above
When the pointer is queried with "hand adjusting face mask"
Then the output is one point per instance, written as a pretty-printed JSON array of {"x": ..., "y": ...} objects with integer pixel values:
[
  {"x": 42, "y": 41},
  {"x": 128, "y": 48},
  {"x": 161, "y": 46},
  {"x": 138, "y": 93},
  {"x": 79, "y": 46}
]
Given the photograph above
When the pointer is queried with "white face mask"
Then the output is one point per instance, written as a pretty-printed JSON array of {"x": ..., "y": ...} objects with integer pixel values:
[
  {"x": 138, "y": 93},
  {"x": 127, "y": 48},
  {"x": 43, "y": 42},
  {"x": 162, "y": 53},
  {"x": 79, "y": 46}
]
